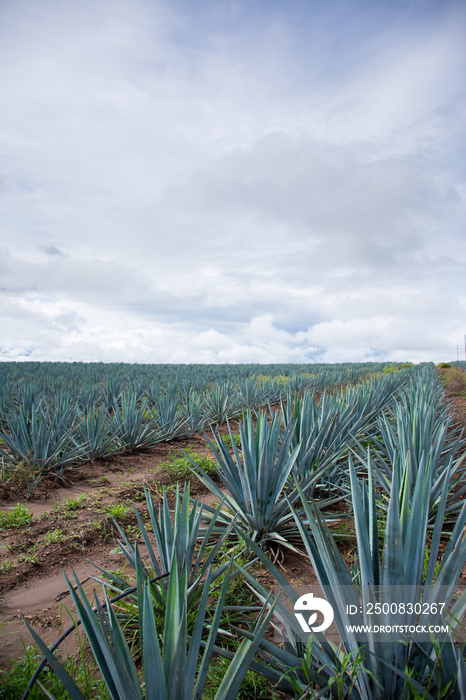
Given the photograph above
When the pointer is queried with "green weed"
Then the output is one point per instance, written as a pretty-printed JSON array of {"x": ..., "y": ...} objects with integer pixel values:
[
  {"x": 73, "y": 504},
  {"x": 352, "y": 664},
  {"x": 54, "y": 536},
  {"x": 18, "y": 517},
  {"x": 253, "y": 686},
  {"x": 227, "y": 440},
  {"x": 180, "y": 467},
  {"x": 116, "y": 550},
  {"x": 133, "y": 531},
  {"x": 455, "y": 380},
  {"x": 119, "y": 511},
  {"x": 14, "y": 680},
  {"x": 30, "y": 557}
]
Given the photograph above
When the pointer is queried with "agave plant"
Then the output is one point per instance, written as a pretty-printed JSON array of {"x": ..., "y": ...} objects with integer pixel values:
[
  {"x": 28, "y": 398},
  {"x": 327, "y": 427},
  {"x": 173, "y": 668},
  {"x": 388, "y": 670},
  {"x": 417, "y": 441},
  {"x": 181, "y": 540},
  {"x": 93, "y": 432},
  {"x": 257, "y": 480},
  {"x": 40, "y": 442},
  {"x": 129, "y": 427},
  {"x": 273, "y": 389},
  {"x": 111, "y": 390},
  {"x": 255, "y": 394},
  {"x": 169, "y": 416},
  {"x": 89, "y": 398},
  {"x": 222, "y": 402},
  {"x": 195, "y": 412},
  {"x": 322, "y": 431}
]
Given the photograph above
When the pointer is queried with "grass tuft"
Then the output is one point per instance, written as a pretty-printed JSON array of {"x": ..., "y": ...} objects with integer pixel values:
[
  {"x": 180, "y": 467},
  {"x": 18, "y": 517},
  {"x": 226, "y": 439}
]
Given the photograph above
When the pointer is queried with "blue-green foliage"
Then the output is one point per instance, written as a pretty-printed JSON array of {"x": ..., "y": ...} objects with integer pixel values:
[
  {"x": 56, "y": 414},
  {"x": 386, "y": 443},
  {"x": 417, "y": 439},
  {"x": 255, "y": 481}
]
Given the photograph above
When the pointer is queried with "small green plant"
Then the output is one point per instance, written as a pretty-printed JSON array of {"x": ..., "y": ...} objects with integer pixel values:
[
  {"x": 134, "y": 489},
  {"x": 159, "y": 486},
  {"x": 390, "y": 369},
  {"x": 304, "y": 678},
  {"x": 18, "y": 517},
  {"x": 426, "y": 565},
  {"x": 227, "y": 440},
  {"x": 6, "y": 566},
  {"x": 119, "y": 511},
  {"x": 98, "y": 480},
  {"x": 73, "y": 504},
  {"x": 344, "y": 532},
  {"x": 54, "y": 536},
  {"x": 116, "y": 550},
  {"x": 31, "y": 557},
  {"x": 133, "y": 531},
  {"x": 102, "y": 528},
  {"x": 253, "y": 687},
  {"x": 14, "y": 679},
  {"x": 180, "y": 467},
  {"x": 121, "y": 574}
]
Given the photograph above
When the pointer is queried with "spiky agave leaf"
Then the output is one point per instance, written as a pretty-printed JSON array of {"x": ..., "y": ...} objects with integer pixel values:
[
  {"x": 417, "y": 440},
  {"x": 41, "y": 441},
  {"x": 130, "y": 428},
  {"x": 181, "y": 539},
  {"x": 169, "y": 417},
  {"x": 94, "y": 433},
  {"x": 173, "y": 670},
  {"x": 399, "y": 565},
  {"x": 256, "y": 480}
]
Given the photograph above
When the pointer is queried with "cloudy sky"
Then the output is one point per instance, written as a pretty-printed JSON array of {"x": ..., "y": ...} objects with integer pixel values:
[{"x": 232, "y": 181}]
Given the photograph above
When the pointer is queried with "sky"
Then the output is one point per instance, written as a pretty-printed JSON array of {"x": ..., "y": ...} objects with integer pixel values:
[{"x": 246, "y": 181}]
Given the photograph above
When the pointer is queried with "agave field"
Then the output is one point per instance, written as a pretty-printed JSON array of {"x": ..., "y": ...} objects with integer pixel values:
[
  {"x": 53, "y": 414},
  {"x": 349, "y": 476}
]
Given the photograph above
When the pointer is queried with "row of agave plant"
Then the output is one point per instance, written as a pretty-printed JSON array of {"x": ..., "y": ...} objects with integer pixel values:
[
  {"x": 398, "y": 467},
  {"x": 53, "y": 377},
  {"x": 25, "y": 384},
  {"x": 42, "y": 433},
  {"x": 40, "y": 438}
]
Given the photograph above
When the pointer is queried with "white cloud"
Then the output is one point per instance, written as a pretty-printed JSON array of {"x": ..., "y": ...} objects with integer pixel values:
[{"x": 247, "y": 182}]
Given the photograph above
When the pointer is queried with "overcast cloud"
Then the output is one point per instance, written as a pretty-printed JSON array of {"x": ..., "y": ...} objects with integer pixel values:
[{"x": 246, "y": 181}]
